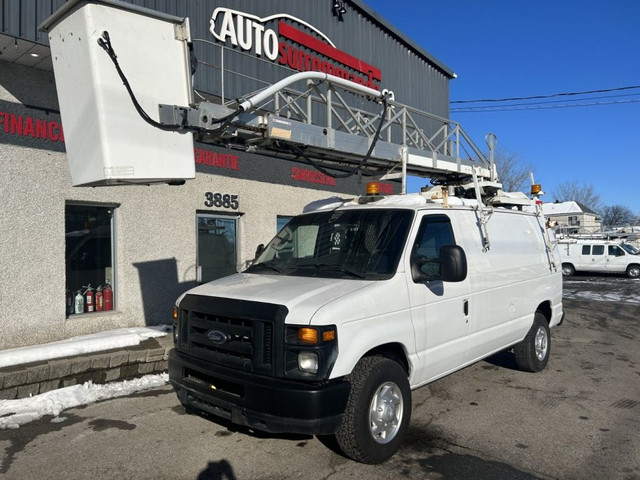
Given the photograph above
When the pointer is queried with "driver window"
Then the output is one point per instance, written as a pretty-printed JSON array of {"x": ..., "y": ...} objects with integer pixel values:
[
  {"x": 435, "y": 232},
  {"x": 615, "y": 251}
]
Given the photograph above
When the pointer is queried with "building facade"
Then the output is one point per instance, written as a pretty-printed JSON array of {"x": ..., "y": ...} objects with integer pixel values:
[
  {"x": 78, "y": 260},
  {"x": 570, "y": 218}
]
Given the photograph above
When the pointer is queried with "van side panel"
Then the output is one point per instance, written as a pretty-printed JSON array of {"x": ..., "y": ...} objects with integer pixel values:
[{"x": 508, "y": 281}]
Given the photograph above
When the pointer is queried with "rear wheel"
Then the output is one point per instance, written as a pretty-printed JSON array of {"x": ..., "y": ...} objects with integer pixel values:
[
  {"x": 532, "y": 353},
  {"x": 568, "y": 270},
  {"x": 633, "y": 271},
  {"x": 378, "y": 411}
]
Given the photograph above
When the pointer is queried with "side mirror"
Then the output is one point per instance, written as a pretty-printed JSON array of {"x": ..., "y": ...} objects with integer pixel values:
[
  {"x": 453, "y": 264},
  {"x": 259, "y": 250}
]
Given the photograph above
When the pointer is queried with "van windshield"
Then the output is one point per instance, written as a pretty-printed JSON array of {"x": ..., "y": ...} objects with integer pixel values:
[
  {"x": 629, "y": 248},
  {"x": 358, "y": 244}
]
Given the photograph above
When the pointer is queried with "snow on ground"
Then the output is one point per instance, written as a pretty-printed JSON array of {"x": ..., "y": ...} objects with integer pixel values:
[
  {"x": 120, "y": 338},
  {"x": 602, "y": 297},
  {"x": 14, "y": 413}
]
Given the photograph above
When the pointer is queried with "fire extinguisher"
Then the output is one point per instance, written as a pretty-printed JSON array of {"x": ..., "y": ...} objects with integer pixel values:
[
  {"x": 89, "y": 298},
  {"x": 99, "y": 299},
  {"x": 78, "y": 303},
  {"x": 69, "y": 302},
  {"x": 107, "y": 296}
]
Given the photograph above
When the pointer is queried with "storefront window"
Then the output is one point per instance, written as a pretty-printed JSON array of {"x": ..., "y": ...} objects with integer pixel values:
[
  {"x": 217, "y": 249},
  {"x": 89, "y": 259}
]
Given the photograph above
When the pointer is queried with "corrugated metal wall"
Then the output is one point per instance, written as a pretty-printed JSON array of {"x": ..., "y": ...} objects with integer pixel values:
[{"x": 416, "y": 80}]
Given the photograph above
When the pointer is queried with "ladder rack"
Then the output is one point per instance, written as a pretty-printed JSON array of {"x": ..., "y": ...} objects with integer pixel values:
[{"x": 321, "y": 125}]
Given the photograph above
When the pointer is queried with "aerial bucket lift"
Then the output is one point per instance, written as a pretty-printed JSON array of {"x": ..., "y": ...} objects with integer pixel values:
[{"x": 142, "y": 132}]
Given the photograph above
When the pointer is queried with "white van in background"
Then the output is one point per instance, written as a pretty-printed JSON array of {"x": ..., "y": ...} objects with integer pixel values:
[{"x": 604, "y": 256}]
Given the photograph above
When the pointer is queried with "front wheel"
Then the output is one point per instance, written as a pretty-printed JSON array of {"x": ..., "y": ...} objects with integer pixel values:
[
  {"x": 568, "y": 270},
  {"x": 378, "y": 410},
  {"x": 633, "y": 271},
  {"x": 532, "y": 353}
]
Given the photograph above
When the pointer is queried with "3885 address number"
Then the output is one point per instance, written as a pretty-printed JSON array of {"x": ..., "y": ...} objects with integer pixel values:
[{"x": 221, "y": 200}]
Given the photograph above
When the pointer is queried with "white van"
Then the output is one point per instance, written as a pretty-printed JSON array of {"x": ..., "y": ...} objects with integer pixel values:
[
  {"x": 603, "y": 256},
  {"x": 356, "y": 303}
]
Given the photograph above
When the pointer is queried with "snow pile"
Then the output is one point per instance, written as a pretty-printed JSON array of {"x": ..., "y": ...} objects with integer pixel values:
[
  {"x": 120, "y": 338},
  {"x": 14, "y": 413}
]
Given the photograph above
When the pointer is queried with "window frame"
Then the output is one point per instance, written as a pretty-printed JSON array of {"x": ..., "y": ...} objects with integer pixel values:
[{"x": 113, "y": 245}]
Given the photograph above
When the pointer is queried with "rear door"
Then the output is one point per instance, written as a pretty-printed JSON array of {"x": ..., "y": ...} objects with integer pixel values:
[
  {"x": 439, "y": 310},
  {"x": 595, "y": 260}
]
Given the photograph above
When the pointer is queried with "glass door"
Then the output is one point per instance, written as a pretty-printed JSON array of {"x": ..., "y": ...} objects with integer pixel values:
[{"x": 217, "y": 246}]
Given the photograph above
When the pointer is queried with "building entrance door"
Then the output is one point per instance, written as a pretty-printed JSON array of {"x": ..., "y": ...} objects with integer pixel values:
[{"x": 217, "y": 246}]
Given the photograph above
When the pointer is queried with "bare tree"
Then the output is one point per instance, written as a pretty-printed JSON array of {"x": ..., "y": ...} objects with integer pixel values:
[
  {"x": 578, "y": 192},
  {"x": 512, "y": 173},
  {"x": 617, "y": 216}
]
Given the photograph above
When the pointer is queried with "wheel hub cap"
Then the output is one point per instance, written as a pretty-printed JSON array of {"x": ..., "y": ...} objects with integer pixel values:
[
  {"x": 541, "y": 344},
  {"x": 385, "y": 413}
]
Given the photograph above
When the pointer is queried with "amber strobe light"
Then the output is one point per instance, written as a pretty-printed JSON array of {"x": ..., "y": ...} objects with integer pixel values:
[
  {"x": 373, "y": 188},
  {"x": 536, "y": 188}
]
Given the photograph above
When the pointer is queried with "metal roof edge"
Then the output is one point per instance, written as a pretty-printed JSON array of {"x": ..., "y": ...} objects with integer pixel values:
[{"x": 402, "y": 37}]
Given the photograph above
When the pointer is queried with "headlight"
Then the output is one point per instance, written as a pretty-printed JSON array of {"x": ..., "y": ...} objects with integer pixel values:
[
  {"x": 308, "y": 362},
  {"x": 310, "y": 351}
]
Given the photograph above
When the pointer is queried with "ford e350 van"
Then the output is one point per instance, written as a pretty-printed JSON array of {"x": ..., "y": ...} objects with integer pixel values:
[
  {"x": 356, "y": 303},
  {"x": 600, "y": 256}
]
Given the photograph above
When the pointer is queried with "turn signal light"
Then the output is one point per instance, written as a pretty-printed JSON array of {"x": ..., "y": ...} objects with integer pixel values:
[
  {"x": 175, "y": 313},
  {"x": 308, "y": 335},
  {"x": 328, "y": 336}
]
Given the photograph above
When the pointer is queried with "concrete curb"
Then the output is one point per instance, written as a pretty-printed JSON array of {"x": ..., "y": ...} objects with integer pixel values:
[{"x": 23, "y": 381}]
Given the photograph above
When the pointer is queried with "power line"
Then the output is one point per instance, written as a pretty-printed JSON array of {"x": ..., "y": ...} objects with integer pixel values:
[
  {"x": 562, "y": 94},
  {"x": 550, "y": 101},
  {"x": 506, "y": 108}
]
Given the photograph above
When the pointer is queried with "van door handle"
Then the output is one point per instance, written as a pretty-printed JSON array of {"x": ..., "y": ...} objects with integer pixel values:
[{"x": 465, "y": 308}]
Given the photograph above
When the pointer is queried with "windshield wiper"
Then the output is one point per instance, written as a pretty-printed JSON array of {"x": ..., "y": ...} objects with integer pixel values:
[
  {"x": 267, "y": 265},
  {"x": 337, "y": 268}
]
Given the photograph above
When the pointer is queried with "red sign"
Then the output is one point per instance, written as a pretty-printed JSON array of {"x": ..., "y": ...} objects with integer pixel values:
[
  {"x": 214, "y": 159},
  {"x": 312, "y": 176},
  {"x": 27, "y": 126},
  {"x": 251, "y": 34}
]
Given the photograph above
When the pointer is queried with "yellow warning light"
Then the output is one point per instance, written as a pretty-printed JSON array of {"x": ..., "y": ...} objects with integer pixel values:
[
  {"x": 536, "y": 188},
  {"x": 175, "y": 313},
  {"x": 308, "y": 335},
  {"x": 329, "y": 336},
  {"x": 373, "y": 188}
]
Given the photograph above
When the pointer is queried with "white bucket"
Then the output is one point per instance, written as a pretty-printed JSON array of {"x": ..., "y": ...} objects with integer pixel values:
[{"x": 107, "y": 141}]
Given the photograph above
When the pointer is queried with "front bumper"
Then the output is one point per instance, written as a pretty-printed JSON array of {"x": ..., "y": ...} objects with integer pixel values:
[{"x": 255, "y": 401}]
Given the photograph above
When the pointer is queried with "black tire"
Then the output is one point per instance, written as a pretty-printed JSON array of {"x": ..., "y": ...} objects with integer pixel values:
[
  {"x": 633, "y": 271},
  {"x": 532, "y": 353},
  {"x": 371, "y": 434},
  {"x": 567, "y": 270}
]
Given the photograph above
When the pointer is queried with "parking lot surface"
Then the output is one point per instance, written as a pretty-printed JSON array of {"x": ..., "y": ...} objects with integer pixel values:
[{"x": 579, "y": 418}]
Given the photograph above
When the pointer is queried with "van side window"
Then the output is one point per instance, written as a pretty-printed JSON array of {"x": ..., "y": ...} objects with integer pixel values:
[
  {"x": 586, "y": 249},
  {"x": 615, "y": 251},
  {"x": 598, "y": 249},
  {"x": 435, "y": 231}
]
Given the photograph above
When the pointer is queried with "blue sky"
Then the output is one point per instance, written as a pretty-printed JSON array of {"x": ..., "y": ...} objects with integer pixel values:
[{"x": 515, "y": 48}]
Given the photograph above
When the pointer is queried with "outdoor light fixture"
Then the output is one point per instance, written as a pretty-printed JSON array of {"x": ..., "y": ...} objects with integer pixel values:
[{"x": 338, "y": 9}]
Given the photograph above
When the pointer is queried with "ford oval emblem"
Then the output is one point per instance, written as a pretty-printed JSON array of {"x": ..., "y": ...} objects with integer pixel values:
[{"x": 217, "y": 337}]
